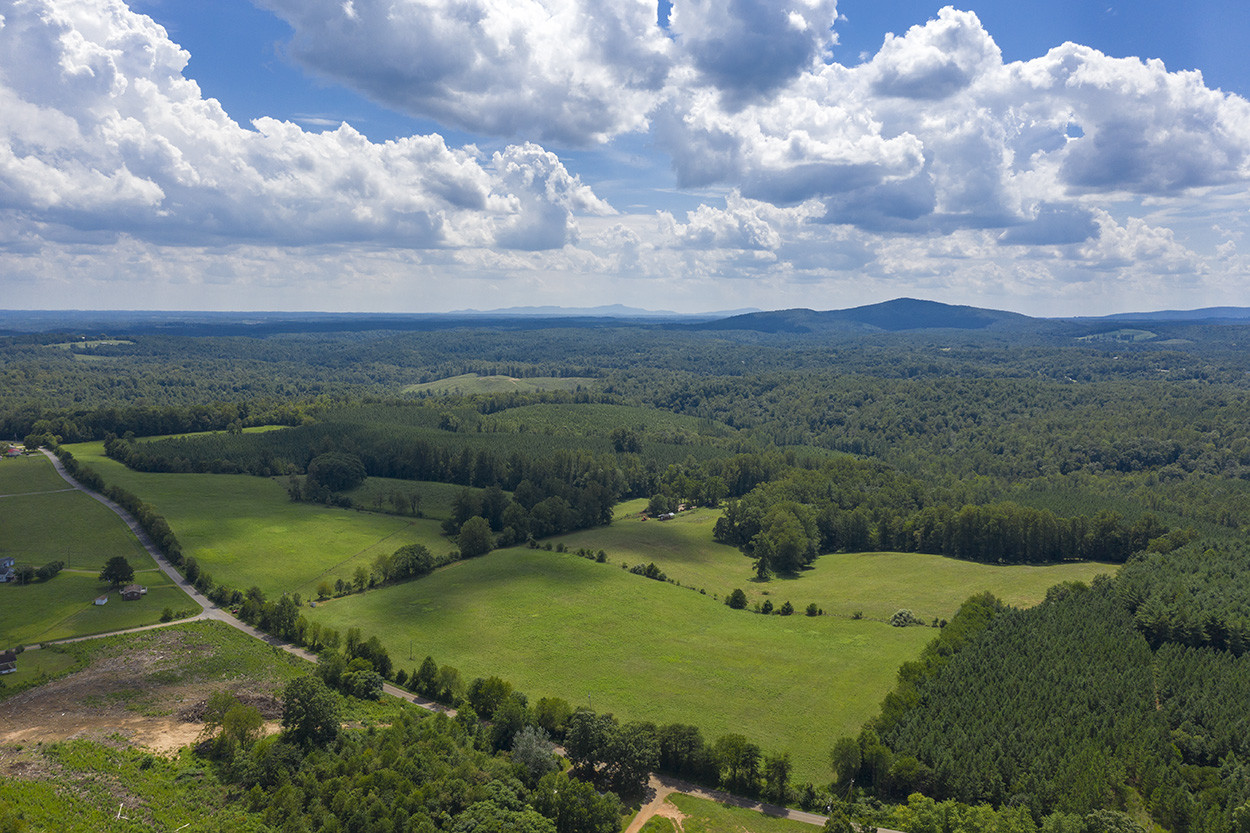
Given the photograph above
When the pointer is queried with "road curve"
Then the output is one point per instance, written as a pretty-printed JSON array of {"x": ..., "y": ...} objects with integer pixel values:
[{"x": 662, "y": 785}]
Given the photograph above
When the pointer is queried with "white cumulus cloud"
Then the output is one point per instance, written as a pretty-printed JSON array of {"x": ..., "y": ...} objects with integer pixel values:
[
  {"x": 110, "y": 135},
  {"x": 566, "y": 71}
]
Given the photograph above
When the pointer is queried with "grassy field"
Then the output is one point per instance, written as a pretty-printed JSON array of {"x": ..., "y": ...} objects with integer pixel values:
[
  {"x": 556, "y": 624},
  {"x": 471, "y": 383},
  {"x": 245, "y": 531},
  {"x": 42, "y": 522},
  {"x": 702, "y": 816},
  {"x": 436, "y": 498},
  {"x": 875, "y": 584}
]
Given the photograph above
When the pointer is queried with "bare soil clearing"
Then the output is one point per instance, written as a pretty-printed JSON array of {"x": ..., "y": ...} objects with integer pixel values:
[{"x": 120, "y": 699}]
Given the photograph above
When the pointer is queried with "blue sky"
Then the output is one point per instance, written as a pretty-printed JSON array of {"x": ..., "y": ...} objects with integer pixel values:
[{"x": 412, "y": 155}]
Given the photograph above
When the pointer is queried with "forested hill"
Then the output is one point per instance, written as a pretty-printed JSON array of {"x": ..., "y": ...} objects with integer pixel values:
[{"x": 891, "y": 316}]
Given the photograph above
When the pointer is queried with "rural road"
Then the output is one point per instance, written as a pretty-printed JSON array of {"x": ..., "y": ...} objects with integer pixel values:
[{"x": 662, "y": 785}]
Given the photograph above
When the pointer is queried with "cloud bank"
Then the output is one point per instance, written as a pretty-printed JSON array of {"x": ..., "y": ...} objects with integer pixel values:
[
  {"x": 113, "y": 137},
  {"x": 932, "y": 163}
]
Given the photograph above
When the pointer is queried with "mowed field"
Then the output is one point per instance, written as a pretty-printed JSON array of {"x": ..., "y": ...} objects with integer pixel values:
[
  {"x": 471, "y": 383},
  {"x": 245, "y": 531},
  {"x": 43, "y": 521},
  {"x": 557, "y": 625},
  {"x": 875, "y": 584}
]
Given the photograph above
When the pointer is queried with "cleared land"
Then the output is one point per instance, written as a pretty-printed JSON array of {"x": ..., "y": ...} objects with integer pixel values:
[
  {"x": 44, "y": 522},
  {"x": 470, "y": 383},
  {"x": 875, "y": 584},
  {"x": 558, "y": 625},
  {"x": 245, "y": 531},
  {"x": 144, "y": 689},
  {"x": 698, "y": 815}
]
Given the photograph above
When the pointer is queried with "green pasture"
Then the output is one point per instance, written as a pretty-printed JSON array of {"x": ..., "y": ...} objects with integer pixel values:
[
  {"x": 99, "y": 342},
  {"x": 702, "y": 816},
  {"x": 27, "y": 474},
  {"x": 558, "y": 625},
  {"x": 64, "y": 607},
  {"x": 245, "y": 531},
  {"x": 40, "y": 524},
  {"x": 874, "y": 584},
  {"x": 35, "y": 667},
  {"x": 66, "y": 526},
  {"x": 471, "y": 383}
]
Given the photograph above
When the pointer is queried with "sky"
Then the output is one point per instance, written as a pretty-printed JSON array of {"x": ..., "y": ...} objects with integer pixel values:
[{"x": 1054, "y": 158}]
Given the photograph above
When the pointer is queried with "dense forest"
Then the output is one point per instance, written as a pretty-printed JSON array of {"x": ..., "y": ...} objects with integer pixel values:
[{"x": 1006, "y": 446}]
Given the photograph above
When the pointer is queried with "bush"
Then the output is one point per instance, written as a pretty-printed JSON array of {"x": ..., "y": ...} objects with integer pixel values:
[
  {"x": 786, "y": 609},
  {"x": 904, "y": 617},
  {"x": 737, "y": 599},
  {"x": 812, "y": 610}
]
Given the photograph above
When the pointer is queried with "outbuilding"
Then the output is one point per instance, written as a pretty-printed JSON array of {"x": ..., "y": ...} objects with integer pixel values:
[
  {"x": 133, "y": 592},
  {"x": 8, "y": 662}
]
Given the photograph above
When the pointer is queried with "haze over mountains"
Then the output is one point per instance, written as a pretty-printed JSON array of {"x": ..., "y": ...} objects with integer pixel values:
[{"x": 898, "y": 315}]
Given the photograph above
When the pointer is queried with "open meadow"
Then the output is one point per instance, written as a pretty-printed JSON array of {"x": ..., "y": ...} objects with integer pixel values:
[
  {"x": 875, "y": 584},
  {"x": 471, "y": 383},
  {"x": 688, "y": 814},
  {"x": 44, "y": 520},
  {"x": 246, "y": 531},
  {"x": 557, "y": 625}
]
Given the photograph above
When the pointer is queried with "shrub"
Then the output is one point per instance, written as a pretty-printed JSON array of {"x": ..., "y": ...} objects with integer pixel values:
[
  {"x": 786, "y": 609},
  {"x": 904, "y": 617},
  {"x": 812, "y": 610},
  {"x": 737, "y": 599}
]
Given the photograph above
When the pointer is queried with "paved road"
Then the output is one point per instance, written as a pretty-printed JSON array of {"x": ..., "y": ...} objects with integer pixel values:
[{"x": 661, "y": 784}]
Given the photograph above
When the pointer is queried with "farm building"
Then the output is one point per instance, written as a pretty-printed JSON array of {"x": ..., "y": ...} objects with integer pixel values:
[
  {"x": 6, "y": 569},
  {"x": 101, "y": 600},
  {"x": 8, "y": 662},
  {"x": 133, "y": 592}
]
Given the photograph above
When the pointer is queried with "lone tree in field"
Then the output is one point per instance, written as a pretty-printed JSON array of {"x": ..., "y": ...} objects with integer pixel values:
[
  {"x": 337, "y": 471},
  {"x": 310, "y": 714},
  {"x": 117, "y": 571},
  {"x": 475, "y": 537}
]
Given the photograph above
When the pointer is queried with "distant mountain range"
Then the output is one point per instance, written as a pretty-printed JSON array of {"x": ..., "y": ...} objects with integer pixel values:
[
  {"x": 607, "y": 311},
  {"x": 889, "y": 316},
  {"x": 900, "y": 314}
]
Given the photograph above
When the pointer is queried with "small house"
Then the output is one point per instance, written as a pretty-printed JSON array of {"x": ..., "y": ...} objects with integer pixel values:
[
  {"x": 7, "y": 572},
  {"x": 102, "y": 600},
  {"x": 133, "y": 592},
  {"x": 8, "y": 662}
]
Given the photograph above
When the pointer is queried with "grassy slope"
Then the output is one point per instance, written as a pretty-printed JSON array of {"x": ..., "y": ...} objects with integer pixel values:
[
  {"x": 703, "y": 816},
  {"x": 42, "y": 524},
  {"x": 875, "y": 583},
  {"x": 560, "y": 625},
  {"x": 245, "y": 531},
  {"x": 471, "y": 383}
]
